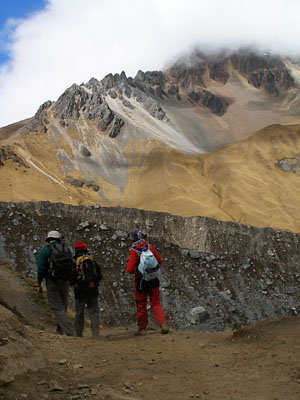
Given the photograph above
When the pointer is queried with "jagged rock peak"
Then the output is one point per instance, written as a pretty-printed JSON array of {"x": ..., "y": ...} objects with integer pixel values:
[
  {"x": 266, "y": 71},
  {"x": 189, "y": 77},
  {"x": 262, "y": 70}
]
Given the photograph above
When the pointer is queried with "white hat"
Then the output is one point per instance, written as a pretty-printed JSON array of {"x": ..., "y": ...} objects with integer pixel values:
[{"x": 52, "y": 235}]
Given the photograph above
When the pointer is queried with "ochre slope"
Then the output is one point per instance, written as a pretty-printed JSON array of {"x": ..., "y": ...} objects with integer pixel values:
[
  {"x": 251, "y": 185},
  {"x": 172, "y": 182},
  {"x": 242, "y": 182}
]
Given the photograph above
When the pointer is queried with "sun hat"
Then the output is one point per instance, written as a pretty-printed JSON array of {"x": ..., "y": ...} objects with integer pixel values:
[{"x": 52, "y": 235}]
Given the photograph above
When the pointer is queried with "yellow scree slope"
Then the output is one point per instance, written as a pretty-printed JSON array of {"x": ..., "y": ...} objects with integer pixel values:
[{"x": 242, "y": 182}]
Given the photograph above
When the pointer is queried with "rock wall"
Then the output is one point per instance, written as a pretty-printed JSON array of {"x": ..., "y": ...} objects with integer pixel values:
[{"x": 215, "y": 275}]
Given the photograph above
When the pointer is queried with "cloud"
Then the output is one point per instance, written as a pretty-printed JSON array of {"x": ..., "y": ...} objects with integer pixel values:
[{"x": 71, "y": 41}]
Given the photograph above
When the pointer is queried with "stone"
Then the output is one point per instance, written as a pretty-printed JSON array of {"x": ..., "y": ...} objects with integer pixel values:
[
  {"x": 103, "y": 227},
  {"x": 55, "y": 387},
  {"x": 195, "y": 254},
  {"x": 85, "y": 152},
  {"x": 121, "y": 234},
  {"x": 197, "y": 315},
  {"x": 77, "y": 366},
  {"x": 83, "y": 386}
]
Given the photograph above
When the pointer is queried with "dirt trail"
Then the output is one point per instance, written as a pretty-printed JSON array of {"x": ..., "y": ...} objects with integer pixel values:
[
  {"x": 257, "y": 362},
  {"x": 19, "y": 294}
]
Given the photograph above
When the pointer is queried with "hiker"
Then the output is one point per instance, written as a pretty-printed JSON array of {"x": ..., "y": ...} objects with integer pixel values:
[
  {"x": 87, "y": 276},
  {"x": 55, "y": 265},
  {"x": 144, "y": 288}
]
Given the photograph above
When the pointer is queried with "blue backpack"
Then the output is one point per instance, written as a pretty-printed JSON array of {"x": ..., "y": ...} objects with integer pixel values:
[{"x": 148, "y": 266}]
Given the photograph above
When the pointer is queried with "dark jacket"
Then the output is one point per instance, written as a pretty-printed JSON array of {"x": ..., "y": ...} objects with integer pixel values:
[
  {"x": 78, "y": 292},
  {"x": 43, "y": 263}
]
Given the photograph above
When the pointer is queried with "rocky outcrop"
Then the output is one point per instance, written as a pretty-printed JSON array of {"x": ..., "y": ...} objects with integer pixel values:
[
  {"x": 263, "y": 71},
  {"x": 216, "y": 104},
  {"x": 215, "y": 275},
  {"x": 81, "y": 182},
  {"x": 190, "y": 76},
  {"x": 290, "y": 164},
  {"x": 151, "y": 82},
  {"x": 187, "y": 76},
  {"x": 144, "y": 88},
  {"x": 40, "y": 121},
  {"x": 6, "y": 153},
  {"x": 76, "y": 102},
  {"x": 87, "y": 102},
  {"x": 218, "y": 70}
]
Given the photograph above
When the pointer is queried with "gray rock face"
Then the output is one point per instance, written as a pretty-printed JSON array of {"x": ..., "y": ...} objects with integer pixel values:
[
  {"x": 187, "y": 76},
  {"x": 215, "y": 275},
  {"x": 70, "y": 103},
  {"x": 216, "y": 104},
  {"x": 76, "y": 102},
  {"x": 290, "y": 164},
  {"x": 139, "y": 88},
  {"x": 82, "y": 182},
  {"x": 7, "y": 154},
  {"x": 40, "y": 121},
  {"x": 116, "y": 127},
  {"x": 263, "y": 71}
]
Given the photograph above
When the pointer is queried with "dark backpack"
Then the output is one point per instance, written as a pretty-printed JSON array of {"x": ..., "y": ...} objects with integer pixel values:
[
  {"x": 61, "y": 263},
  {"x": 88, "y": 273}
]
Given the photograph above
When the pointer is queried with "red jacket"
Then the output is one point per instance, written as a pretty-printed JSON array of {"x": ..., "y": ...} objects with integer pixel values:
[{"x": 134, "y": 259}]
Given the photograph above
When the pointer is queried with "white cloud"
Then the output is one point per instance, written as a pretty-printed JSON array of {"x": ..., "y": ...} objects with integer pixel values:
[{"x": 71, "y": 41}]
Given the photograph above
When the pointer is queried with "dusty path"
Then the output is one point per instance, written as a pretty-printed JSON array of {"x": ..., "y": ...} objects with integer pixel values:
[
  {"x": 20, "y": 294},
  {"x": 260, "y": 362}
]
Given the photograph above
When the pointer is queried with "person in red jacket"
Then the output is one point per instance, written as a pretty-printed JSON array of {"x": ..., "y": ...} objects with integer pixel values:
[{"x": 142, "y": 288}]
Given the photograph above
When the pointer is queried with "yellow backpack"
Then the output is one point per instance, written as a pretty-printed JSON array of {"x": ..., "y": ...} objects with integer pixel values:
[{"x": 88, "y": 273}]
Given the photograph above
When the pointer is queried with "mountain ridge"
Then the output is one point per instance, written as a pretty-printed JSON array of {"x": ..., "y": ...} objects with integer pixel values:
[{"x": 155, "y": 141}]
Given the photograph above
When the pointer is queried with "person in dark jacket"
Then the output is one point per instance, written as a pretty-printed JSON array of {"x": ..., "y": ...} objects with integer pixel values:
[
  {"x": 86, "y": 296},
  {"x": 57, "y": 292},
  {"x": 145, "y": 289}
]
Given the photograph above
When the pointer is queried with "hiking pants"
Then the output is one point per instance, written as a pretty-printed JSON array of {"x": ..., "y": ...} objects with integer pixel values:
[
  {"x": 93, "y": 311},
  {"x": 142, "y": 312},
  {"x": 57, "y": 294}
]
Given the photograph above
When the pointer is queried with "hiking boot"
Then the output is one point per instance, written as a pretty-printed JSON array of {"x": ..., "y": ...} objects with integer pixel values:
[
  {"x": 140, "y": 332},
  {"x": 164, "y": 328},
  {"x": 59, "y": 331}
]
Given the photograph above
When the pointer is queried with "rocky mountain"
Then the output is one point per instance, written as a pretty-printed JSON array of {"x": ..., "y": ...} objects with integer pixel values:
[
  {"x": 214, "y": 139},
  {"x": 156, "y": 141}
]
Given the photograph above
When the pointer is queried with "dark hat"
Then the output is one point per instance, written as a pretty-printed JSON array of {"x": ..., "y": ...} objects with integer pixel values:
[
  {"x": 80, "y": 246},
  {"x": 137, "y": 234}
]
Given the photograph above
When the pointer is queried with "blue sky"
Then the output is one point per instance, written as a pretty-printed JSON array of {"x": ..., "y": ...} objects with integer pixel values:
[
  {"x": 16, "y": 9},
  {"x": 47, "y": 45}
]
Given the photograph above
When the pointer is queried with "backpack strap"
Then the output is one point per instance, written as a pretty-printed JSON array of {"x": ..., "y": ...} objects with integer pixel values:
[{"x": 139, "y": 251}]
